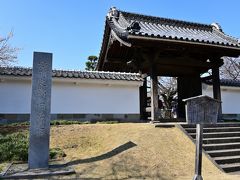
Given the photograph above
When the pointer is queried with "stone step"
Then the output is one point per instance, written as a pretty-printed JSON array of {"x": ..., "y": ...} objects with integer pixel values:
[
  {"x": 154, "y": 121},
  {"x": 168, "y": 120},
  {"x": 221, "y": 140},
  {"x": 227, "y": 159},
  {"x": 167, "y": 124},
  {"x": 231, "y": 167},
  {"x": 215, "y": 129},
  {"x": 210, "y": 147},
  {"x": 219, "y": 134},
  {"x": 226, "y": 152},
  {"x": 214, "y": 125}
]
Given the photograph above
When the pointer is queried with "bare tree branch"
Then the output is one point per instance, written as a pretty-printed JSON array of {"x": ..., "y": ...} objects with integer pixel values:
[
  {"x": 230, "y": 69},
  {"x": 167, "y": 90},
  {"x": 8, "y": 54}
]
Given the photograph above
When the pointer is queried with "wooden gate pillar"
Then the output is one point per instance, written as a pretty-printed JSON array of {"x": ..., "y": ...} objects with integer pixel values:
[
  {"x": 187, "y": 86},
  {"x": 143, "y": 99},
  {"x": 217, "y": 89},
  {"x": 154, "y": 95}
]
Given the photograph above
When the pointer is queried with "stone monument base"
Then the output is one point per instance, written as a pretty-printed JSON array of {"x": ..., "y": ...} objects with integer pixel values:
[{"x": 21, "y": 171}]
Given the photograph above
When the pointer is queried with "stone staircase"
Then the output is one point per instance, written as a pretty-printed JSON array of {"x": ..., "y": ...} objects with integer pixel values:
[{"x": 221, "y": 142}]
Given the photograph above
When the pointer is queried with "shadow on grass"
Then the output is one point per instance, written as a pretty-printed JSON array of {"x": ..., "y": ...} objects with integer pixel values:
[
  {"x": 126, "y": 168},
  {"x": 107, "y": 155}
]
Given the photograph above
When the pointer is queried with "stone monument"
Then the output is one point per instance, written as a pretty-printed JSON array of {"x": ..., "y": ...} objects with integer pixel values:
[
  {"x": 38, "y": 154},
  {"x": 201, "y": 110}
]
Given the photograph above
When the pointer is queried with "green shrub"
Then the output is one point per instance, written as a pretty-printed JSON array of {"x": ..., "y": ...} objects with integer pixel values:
[
  {"x": 15, "y": 124},
  {"x": 107, "y": 122},
  {"x": 56, "y": 153},
  {"x": 61, "y": 122},
  {"x": 14, "y": 147},
  {"x": 67, "y": 122},
  {"x": 53, "y": 122},
  {"x": 27, "y": 123}
]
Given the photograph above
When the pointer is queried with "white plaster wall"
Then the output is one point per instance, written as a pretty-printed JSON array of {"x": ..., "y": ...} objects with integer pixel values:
[
  {"x": 230, "y": 98},
  {"x": 97, "y": 99},
  {"x": 15, "y": 97},
  {"x": 70, "y": 97}
]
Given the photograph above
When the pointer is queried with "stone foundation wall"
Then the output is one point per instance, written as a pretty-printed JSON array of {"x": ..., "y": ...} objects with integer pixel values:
[{"x": 15, "y": 118}]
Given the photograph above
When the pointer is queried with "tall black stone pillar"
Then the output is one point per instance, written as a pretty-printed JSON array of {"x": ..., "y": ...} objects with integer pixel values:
[{"x": 38, "y": 153}]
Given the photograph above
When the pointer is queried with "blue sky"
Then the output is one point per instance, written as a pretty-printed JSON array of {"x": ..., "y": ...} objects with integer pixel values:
[{"x": 73, "y": 29}]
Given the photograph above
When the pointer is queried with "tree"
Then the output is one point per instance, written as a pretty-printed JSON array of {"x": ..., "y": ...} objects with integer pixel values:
[
  {"x": 230, "y": 69},
  {"x": 91, "y": 63},
  {"x": 168, "y": 90},
  {"x": 8, "y": 54}
]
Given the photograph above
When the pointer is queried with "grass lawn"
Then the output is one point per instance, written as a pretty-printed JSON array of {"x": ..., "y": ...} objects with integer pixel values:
[
  {"x": 130, "y": 151},
  {"x": 123, "y": 151}
]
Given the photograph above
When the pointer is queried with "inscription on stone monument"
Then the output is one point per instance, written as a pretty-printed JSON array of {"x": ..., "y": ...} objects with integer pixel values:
[{"x": 40, "y": 111}]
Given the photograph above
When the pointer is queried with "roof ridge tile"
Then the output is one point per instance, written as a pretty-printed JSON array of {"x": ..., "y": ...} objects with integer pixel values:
[
  {"x": 23, "y": 71},
  {"x": 166, "y": 20},
  {"x": 173, "y": 29}
]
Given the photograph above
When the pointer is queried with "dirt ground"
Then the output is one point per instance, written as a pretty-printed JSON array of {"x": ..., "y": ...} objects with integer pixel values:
[
  {"x": 13, "y": 129},
  {"x": 130, "y": 151}
]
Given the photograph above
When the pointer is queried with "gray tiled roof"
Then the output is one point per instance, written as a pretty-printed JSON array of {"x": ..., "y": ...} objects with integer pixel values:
[
  {"x": 21, "y": 71},
  {"x": 125, "y": 24},
  {"x": 226, "y": 82}
]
